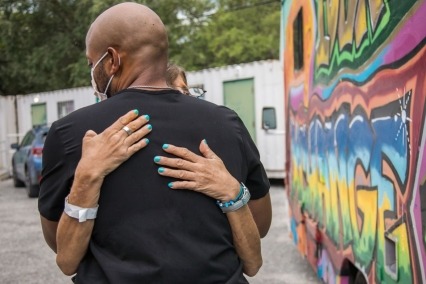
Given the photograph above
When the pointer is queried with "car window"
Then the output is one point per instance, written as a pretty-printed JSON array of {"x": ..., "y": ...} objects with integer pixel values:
[{"x": 28, "y": 138}]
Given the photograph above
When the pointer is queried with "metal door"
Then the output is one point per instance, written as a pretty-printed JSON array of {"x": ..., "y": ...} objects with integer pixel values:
[
  {"x": 239, "y": 96},
  {"x": 38, "y": 114}
]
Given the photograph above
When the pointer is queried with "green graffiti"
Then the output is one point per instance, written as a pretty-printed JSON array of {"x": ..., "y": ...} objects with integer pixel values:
[{"x": 353, "y": 57}]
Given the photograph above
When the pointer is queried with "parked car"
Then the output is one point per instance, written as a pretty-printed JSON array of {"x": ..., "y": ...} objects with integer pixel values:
[{"x": 26, "y": 161}]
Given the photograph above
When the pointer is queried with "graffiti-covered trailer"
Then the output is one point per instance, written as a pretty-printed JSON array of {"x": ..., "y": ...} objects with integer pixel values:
[{"x": 355, "y": 89}]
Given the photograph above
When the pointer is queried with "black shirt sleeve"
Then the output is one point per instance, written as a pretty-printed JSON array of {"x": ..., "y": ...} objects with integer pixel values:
[
  {"x": 56, "y": 179},
  {"x": 256, "y": 181}
]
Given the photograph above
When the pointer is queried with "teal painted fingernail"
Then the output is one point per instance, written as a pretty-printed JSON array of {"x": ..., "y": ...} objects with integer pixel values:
[
  {"x": 157, "y": 159},
  {"x": 205, "y": 141},
  {"x": 149, "y": 126},
  {"x": 170, "y": 184},
  {"x": 136, "y": 111},
  {"x": 146, "y": 140},
  {"x": 147, "y": 117},
  {"x": 165, "y": 146},
  {"x": 161, "y": 170}
]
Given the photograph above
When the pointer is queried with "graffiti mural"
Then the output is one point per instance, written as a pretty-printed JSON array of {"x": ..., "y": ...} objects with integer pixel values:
[{"x": 355, "y": 90}]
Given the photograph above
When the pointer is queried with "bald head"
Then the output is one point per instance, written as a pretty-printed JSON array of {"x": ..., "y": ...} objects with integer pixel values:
[{"x": 136, "y": 33}]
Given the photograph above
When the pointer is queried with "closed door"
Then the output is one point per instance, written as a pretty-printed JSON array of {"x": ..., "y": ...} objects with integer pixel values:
[
  {"x": 239, "y": 96},
  {"x": 38, "y": 114}
]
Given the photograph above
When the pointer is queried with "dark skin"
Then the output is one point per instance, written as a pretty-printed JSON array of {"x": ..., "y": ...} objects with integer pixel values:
[{"x": 138, "y": 56}]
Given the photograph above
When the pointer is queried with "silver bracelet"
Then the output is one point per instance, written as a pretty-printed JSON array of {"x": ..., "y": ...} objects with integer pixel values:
[
  {"x": 80, "y": 213},
  {"x": 243, "y": 200}
]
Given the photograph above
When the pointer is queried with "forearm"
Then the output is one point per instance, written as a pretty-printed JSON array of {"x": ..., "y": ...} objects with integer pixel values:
[
  {"x": 246, "y": 239},
  {"x": 261, "y": 209},
  {"x": 72, "y": 242},
  {"x": 72, "y": 236}
]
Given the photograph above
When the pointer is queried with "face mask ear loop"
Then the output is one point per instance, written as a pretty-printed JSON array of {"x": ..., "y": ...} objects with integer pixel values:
[
  {"x": 110, "y": 80},
  {"x": 107, "y": 86},
  {"x": 99, "y": 61},
  {"x": 104, "y": 94}
]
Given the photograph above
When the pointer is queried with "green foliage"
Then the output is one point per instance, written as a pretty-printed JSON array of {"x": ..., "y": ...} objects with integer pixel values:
[
  {"x": 42, "y": 42},
  {"x": 240, "y": 31}
]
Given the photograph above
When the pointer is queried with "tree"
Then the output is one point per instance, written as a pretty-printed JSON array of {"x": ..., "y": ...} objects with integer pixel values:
[
  {"x": 42, "y": 42},
  {"x": 239, "y": 31}
]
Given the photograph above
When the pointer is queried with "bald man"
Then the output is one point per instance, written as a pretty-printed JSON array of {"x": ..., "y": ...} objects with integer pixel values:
[{"x": 129, "y": 224}]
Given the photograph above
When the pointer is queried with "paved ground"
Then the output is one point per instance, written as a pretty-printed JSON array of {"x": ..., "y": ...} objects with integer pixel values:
[
  {"x": 25, "y": 258},
  {"x": 282, "y": 263}
]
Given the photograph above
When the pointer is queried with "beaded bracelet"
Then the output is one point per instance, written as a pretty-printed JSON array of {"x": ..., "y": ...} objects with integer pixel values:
[
  {"x": 232, "y": 201},
  {"x": 235, "y": 204}
]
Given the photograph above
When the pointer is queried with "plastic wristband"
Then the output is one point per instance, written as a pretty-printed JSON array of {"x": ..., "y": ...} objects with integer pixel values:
[
  {"x": 82, "y": 214},
  {"x": 233, "y": 205}
]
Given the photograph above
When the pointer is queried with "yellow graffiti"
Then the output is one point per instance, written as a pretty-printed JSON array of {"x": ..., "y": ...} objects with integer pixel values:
[
  {"x": 332, "y": 16},
  {"x": 360, "y": 23},
  {"x": 346, "y": 25},
  {"x": 323, "y": 50},
  {"x": 376, "y": 7},
  {"x": 365, "y": 226}
]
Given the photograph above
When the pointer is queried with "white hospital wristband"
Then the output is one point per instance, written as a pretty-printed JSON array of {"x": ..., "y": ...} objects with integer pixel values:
[{"x": 82, "y": 214}]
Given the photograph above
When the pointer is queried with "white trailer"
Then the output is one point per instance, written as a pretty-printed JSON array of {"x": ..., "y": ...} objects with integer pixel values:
[
  {"x": 20, "y": 113},
  {"x": 255, "y": 91}
]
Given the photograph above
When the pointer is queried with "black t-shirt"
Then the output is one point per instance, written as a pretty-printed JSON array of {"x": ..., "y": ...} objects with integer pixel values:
[{"x": 146, "y": 232}]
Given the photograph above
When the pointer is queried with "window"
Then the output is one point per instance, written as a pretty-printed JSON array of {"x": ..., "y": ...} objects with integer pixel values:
[
  {"x": 269, "y": 119},
  {"x": 298, "y": 41},
  {"x": 28, "y": 139},
  {"x": 391, "y": 256},
  {"x": 65, "y": 108}
]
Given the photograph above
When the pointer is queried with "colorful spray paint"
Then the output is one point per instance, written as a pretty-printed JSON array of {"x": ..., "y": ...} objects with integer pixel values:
[{"x": 355, "y": 93}]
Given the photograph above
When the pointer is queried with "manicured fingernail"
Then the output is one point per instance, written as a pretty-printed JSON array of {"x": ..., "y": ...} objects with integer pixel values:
[
  {"x": 146, "y": 140},
  {"x": 165, "y": 146},
  {"x": 205, "y": 141},
  {"x": 149, "y": 126},
  {"x": 136, "y": 111},
  {"x": 157, "y": 159},
  {"x": 170, "y": 184},
  {"x": 147, "y": 117},
  {"x": 161, "y": 170}
]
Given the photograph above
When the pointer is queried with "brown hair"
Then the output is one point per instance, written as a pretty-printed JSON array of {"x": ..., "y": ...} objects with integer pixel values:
[{"x": 174, "y": 71}]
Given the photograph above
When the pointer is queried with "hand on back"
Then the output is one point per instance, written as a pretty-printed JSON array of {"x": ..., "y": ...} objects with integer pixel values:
[
  {"x": 104, "y": 152},
  {"x": 206, "y": 174}
]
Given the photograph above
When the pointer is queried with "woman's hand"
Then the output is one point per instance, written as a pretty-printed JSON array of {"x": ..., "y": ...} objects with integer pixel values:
[
  {"x": 104, "y": 152},
  {"x": 207, "y": 174}
]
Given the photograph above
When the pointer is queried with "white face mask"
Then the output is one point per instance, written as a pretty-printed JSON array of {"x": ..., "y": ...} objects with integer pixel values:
[{"x": 98, "y": 94}]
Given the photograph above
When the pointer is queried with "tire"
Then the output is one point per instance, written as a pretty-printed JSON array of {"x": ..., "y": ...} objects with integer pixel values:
[
  {"x": 32, "y": 189},
  {"x": 16, "y": 182}
]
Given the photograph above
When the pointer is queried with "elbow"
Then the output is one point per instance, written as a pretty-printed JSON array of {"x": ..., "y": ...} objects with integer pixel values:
[
  {"x": 253, "y": 268},
  {"x": 263, "y": 233},
  {"x": 65, "y": 266},
  {"x": 264, "y": 229}
]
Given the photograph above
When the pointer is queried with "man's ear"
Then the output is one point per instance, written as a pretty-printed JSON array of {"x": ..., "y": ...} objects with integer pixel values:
[{"x": 114, "y": 60}]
